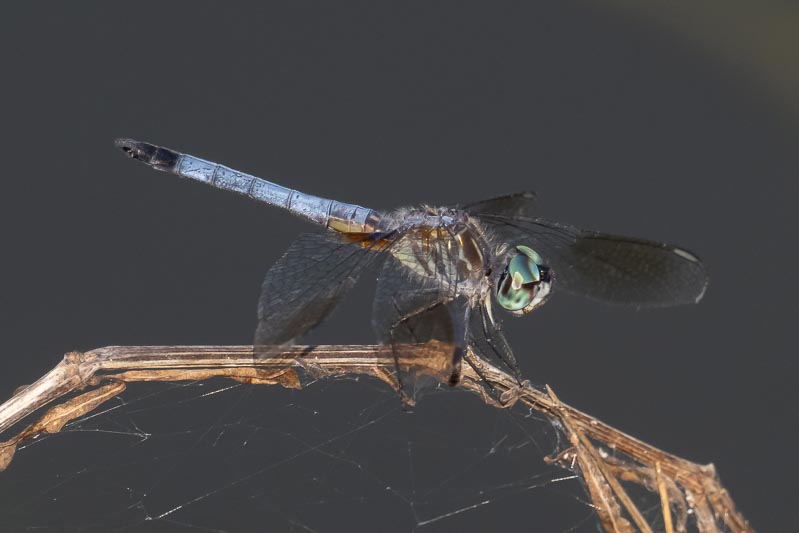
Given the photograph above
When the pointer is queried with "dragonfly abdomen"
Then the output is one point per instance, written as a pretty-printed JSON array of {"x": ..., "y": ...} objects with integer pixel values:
[{"x": 340, "y": 216}]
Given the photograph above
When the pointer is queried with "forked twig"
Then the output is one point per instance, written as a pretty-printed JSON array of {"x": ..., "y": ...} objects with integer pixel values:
[{"x": 603, "y": 456}]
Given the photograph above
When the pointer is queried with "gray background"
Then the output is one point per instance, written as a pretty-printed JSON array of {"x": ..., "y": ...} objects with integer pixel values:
[{"x": 674, "y": 126}]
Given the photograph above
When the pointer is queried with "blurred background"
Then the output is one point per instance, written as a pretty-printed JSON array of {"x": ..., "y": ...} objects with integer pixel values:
[{"x": 666, "y": 121}]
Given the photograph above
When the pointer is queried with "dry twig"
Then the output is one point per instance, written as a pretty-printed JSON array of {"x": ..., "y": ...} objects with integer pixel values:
[{"x": 604, "y": 457}]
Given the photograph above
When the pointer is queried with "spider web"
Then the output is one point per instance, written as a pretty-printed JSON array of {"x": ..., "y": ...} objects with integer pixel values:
[{"x": 339, "y": 455}]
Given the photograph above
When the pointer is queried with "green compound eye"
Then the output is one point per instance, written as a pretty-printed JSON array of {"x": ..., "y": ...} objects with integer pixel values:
[{"x": 525, "y": 283}]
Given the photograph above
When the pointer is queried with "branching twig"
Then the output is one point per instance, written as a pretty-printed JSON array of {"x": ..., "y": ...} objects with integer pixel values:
[{"x": 604, "y": 456}]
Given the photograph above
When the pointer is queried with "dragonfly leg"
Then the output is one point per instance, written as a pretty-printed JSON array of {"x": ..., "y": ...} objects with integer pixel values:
[
  {"x": 493, "y": 338},
  {"x": 494, "y": 342},
  {"x": 493, "y": 394}
]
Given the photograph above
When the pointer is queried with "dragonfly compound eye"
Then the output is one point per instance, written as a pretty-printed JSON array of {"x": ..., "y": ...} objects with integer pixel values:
[{"x": 525, "y": 283}]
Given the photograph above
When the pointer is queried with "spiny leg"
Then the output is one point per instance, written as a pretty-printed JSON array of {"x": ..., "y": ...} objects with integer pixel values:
[
  {"x": 504, "y": 355},
  {"x": 505, "y": 398}
]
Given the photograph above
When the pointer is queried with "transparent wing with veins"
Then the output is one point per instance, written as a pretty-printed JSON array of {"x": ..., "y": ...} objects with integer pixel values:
[
  {"x": 305, "y": 284},
  {"x": 609, "y": 268}
]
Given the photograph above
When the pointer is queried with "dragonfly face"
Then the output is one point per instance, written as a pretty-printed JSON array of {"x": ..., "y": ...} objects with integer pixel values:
[{"x": 525, "y": 282}]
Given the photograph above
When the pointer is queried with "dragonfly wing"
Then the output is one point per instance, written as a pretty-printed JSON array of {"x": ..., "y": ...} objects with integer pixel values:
[
  {"x": 414, "y": 290},
  {"x": 306, "y": 283},
  {"x": 409, "y": 311},
  {"x": 514, "y": 204},
  {"x": 487, "y": 340},
  {"x": 416, "y": 300},
  {"x": 609, "y": 268}
]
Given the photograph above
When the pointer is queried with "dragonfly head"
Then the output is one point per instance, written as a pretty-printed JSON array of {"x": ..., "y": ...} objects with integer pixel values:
[{"x": 525, "y": 282}]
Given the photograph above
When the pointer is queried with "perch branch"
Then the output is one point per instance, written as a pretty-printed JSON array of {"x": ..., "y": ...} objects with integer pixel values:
[{"x": 603, "y": 456}]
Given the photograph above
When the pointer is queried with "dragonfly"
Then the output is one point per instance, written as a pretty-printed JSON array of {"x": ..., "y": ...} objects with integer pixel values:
[{"x": 443, "y": 273}]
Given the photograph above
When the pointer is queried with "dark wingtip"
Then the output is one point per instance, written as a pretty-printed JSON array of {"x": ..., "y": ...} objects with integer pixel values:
[{"x": 149, "y": 154}]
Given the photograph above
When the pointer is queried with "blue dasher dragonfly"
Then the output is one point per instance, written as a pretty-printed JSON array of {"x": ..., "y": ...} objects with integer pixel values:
[{"x": 442, "y": 272}]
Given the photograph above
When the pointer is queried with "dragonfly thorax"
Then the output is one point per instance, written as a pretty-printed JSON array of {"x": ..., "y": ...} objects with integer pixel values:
[{"x": 444, "y": 245}]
